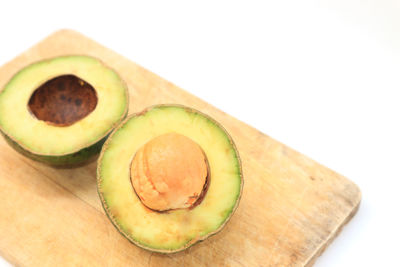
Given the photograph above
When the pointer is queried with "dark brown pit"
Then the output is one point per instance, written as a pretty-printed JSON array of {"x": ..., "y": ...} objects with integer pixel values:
[{"x": 62, "y": 101}]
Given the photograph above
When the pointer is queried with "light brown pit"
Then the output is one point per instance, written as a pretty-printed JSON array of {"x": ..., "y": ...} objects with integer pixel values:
[
  {"x": 170, "y": 172},
  {"x": 63, "y": 100}
]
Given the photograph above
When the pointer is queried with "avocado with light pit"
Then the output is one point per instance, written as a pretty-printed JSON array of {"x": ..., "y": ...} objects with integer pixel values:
[
  {"x": 169, "y": 177},
  {"x": 59, "y": 111}
]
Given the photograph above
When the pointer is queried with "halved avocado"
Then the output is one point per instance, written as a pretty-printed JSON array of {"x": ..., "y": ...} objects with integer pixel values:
[
  {"x": 168, "y": 230},
  {"x": 59, "y": 111}
]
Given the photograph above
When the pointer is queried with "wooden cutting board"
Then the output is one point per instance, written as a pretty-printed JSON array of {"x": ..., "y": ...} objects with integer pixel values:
[{"x": 291, "y": 207}]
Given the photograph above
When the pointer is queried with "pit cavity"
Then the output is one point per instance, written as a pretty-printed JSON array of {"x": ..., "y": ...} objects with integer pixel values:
[{"x": 63, "y": 100}]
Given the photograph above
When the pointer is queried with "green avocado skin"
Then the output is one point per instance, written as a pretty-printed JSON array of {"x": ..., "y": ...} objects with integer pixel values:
[{"x": 76, "y": 159}]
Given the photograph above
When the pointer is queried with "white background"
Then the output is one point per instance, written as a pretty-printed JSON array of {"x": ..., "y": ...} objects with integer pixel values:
[{"x": 320, "y": 76}]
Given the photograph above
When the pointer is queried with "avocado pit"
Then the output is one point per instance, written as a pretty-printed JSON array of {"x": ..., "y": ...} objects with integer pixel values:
[
  {"x": 63, "y": 100},
  {"x": 170, "y": 172}
]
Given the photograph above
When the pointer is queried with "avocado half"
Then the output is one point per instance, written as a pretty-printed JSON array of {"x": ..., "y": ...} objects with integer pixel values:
[
  {"x": 172, "y": 230},
  {"x": 60, "y": 111}
]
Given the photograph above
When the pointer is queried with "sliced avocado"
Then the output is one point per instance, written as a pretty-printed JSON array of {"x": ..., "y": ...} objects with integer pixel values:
[
  {"x": 123, "y": 158},
  {"x": 59, "y": 111}
]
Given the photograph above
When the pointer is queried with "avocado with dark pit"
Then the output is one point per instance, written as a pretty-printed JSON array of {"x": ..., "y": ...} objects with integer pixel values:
[
  {"x": 169, "y": 177},
  {"x": 59, "y": 111}
]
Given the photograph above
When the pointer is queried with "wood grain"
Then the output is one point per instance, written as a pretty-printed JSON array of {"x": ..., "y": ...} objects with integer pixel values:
[{"x": 291, "y": 207}]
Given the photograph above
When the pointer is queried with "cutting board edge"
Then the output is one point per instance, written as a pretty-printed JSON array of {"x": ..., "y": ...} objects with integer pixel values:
[{"x": 338, "y": 230}]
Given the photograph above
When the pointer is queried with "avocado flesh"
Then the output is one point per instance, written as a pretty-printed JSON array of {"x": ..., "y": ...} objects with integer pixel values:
[
  {"x": 174, "y": 230},
  {"x": 68, "y": 145}
]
